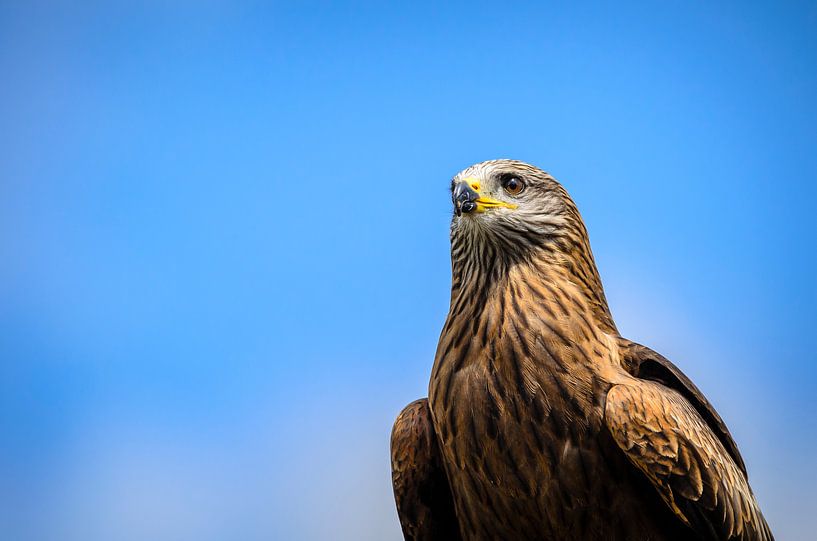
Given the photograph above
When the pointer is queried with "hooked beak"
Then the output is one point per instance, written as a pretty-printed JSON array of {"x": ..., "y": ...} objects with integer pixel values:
[{"x": 467, "y": 198}]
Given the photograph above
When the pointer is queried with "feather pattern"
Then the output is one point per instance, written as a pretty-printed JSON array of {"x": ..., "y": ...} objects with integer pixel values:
[{"x": 546, "y": 423}]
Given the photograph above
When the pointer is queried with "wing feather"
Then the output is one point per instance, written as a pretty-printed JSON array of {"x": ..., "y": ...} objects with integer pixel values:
[
  {"x": 666, "y": 438},
  {"x": 421, "y": 490},
  {"x": 644, "y": 363}
]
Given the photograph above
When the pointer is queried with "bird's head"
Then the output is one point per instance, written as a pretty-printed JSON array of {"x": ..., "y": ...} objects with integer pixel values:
[
  {"x": 511, "y": 215},
  {"x": 512, "y": 205}
]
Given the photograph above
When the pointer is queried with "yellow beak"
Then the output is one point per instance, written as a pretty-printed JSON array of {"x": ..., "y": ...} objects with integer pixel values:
[{"x": 468, "y": 198}]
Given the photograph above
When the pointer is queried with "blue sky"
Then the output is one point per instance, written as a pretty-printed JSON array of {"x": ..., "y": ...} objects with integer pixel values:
[{"x": 224, "y": 255}]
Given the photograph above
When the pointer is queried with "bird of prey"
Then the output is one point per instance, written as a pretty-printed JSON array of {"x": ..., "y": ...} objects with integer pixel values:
[{"x": 542, "y": 422}]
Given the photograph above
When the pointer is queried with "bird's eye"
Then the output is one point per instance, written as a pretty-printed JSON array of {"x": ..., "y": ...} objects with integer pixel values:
[{"x": 513, "y": 185}]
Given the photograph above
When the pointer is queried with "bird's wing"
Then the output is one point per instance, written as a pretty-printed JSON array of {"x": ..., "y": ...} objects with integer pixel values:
[
  {"x": 424, "y": 502},
  {"x": 666, "y": 438},
  {"x": 644, "y": 363}
]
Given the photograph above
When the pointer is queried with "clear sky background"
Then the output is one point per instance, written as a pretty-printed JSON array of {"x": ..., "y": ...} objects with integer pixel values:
[{"x": 223, "y": 239}]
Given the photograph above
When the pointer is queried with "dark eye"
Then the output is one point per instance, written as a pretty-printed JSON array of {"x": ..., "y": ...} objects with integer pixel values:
[{"x": 513, "y": 185}]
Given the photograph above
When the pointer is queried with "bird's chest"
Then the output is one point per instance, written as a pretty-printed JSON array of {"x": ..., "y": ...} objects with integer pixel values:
[
  {"x": 498, "y": 421},
  {"x": 506, "y": 391},
  {"x": 519, "y": 429}
]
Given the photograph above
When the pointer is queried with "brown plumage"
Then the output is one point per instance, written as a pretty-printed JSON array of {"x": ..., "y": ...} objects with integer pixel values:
[{"x": 542, "y": 422}]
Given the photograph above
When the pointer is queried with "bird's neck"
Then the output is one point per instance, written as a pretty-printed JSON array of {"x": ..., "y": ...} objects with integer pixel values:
[{"x": 479, "y": 277}]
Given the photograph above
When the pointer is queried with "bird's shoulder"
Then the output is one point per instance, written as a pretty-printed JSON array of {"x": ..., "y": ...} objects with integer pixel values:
[
  {"x": 670, "y": 432},
  {"x": 643, "y": 363}
]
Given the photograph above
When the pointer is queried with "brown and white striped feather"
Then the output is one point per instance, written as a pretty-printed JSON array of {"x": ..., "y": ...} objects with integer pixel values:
[{"x": 549, "y": 425}]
